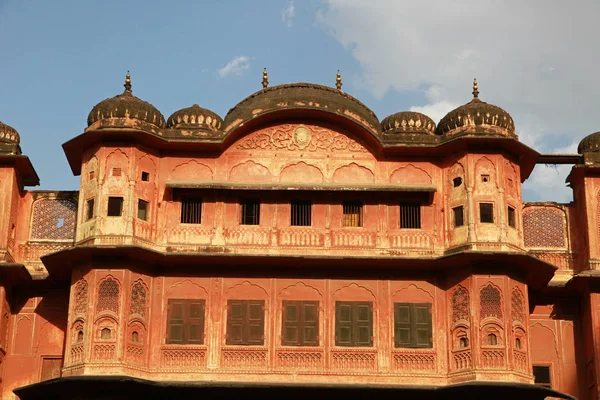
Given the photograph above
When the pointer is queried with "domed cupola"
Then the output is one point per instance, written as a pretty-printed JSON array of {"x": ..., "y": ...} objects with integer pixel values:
[
  {"x": 589, "y": 144},
  {"x": 195, "y": 117},
  {"x": 477, "y": 118},
  {"x": 126, "y": 105},
  {"x": 408, "y": 122},
  {"x": 9, "y": 140}
]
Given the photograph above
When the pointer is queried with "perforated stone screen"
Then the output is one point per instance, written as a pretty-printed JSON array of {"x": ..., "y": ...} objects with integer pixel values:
[
  {"x": 53, "y": 219},
  {"x": 544, "y": 227}
]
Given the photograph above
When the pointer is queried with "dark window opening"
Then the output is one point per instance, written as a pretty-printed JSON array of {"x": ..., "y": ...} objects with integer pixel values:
[
  {"x": 517, "y": 343},
  {"x": 511, "y": 217},
  {"x": 143, "y": 210},
  {"x": 301, "y": 213},
  {"x": 105, "y": 333},
  {"x": 89, "y": 209},
  {"x": 463, "y": 342},
  {"x": 458, "y": 216},
  {"x": 191, "y": 211},
  {"x": 250, "y": 212},
  {"x": 300, "y": 323},
  {"x": 492, "y": 339},
  {"x": 134, "y": 337},
  {"x": 486, "y": 213},
  {"x": 92, "y": 175},
  {"x": 412, "y": 325},
  {"x": 353, "y": 323},
  {"x": 456, "y": 182},
  {"x": 115, "y": 206},
  {"x": 145, "y": 176},
  {"x": 541, "y": 374},
  {"x": 410, "y": 216},
  {"x": 185, "y": 321},
  {"x": 116, "y": 171},
  {"x": 245, "y": 322},
  {"x": 485, "y": 178},
  {"x": 79, "y": 336},
  {"x": 353, "y": 214}
]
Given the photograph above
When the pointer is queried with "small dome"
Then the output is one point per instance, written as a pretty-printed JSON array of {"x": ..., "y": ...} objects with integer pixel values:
[
  {"x": 195, "y": 117},
  {"x": 488, "y": 118},
  {"x": 9, "y": 134},
  {"x": 589, "y": 144},
  {"x": 126, "y": 105},
  {"x": 408, "y": 122}
]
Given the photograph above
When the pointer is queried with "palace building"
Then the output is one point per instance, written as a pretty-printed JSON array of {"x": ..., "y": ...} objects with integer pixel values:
[{"x": 298, "y": 247}]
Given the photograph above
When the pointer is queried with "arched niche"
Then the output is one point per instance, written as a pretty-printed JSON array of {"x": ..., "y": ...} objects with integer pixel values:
[
  {"x": 300, "y": 291},
  {"x": 353, "y": 173},
  {"x": 191, "y": 170},
  {"x": 301, "y": 172},
  {"x": 186, "y": 289},
  {"x": 246, "y": 291},
  {"x": 410, "y": 175},
  {"x": 250, "y": 171}
]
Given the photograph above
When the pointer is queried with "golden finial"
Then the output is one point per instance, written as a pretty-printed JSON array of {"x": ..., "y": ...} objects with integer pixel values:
[
  {"x": 475, "y": 89},
  {"x": 338, "y": 81},
  {"x": 265, "y": 81},
  {"x": 127, "y": 82}
]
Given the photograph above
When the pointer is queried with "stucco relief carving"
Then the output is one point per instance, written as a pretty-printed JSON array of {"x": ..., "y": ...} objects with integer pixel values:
[
  {"x": 300, "y": 138},
  {"x": 410, "y": 174},
  {"x": 517, "y": 306},
  {"x": 191, "y": 169},
  {"x": 251, "y": 171},
  {"x": 108, "y": 295},
  {"x": 353, "y": 173},
  {"x": 301, "y": 172}
]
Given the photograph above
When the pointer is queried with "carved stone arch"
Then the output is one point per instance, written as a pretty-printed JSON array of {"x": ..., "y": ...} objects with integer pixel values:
[
  {"x": 539, "y": 335},
  {"x": 138, "y": 301},
  {"x": 490, "y": 302},
  {"x": 247, "y": 290},
  {"x": 108, "y": 295},
  {"x": 410, "y": 174},
  {"x": 136, "y": 326},
  {"x": 353, "y": 173},
  {"x": 300, "y": 290},
  {"x": 520, "y": 334},
  {"x": 512, "y": 179},
  {"x": 117, "y": 159},
  {"x": 461, "y": 336},
  {"x": 105, "y": 321},
  {"x": 485, "y": 167},
  {"x": 91, "y": 166},
  {"x": 301, "y": 172},
  {"x": 78, "y": 331},
  {"x": 250, "y": 171},
  {"x": 146, "y": 163},
  {"x": 354, "y": 292},
  {"x": 492, "y": 327},
  {"x": 191, "y": 170},
  {"x": 23, "y": 335},
  {"x": 413, "y": 294},
  {"x": 186, "y": 289},
  {"x": 461, "y": 306}
]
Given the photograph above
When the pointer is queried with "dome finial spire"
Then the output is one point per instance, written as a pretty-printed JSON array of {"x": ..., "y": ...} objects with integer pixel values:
[
  {"x": 338, "y": 81},
  {"x": 475, "y": 89},
  {"x": 127, "y": 82},
  {"x": 265, "y": 81}
]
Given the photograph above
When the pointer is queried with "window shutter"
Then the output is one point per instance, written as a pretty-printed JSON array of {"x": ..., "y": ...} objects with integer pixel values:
[
  {"x": 236, "y": 318},
  {"x": 195, "y": 322},
  {"x": 255, "y": 322},
  {"x": 422, "y": 325},
  {"x": 310, "y": 320},
  {"x": 343, "y": 323},
  {"x": 175, "y": 322},
  {"x": 363, "y": 324},
  {"x": 402, "y": 321},
  {"x": 291, "y": 323}
]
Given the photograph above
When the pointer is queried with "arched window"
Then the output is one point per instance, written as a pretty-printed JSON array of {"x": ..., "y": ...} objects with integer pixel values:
[
  {"x": 463, "y": 342},
  {"x": 517, "y": 343},
  {"x": 105, "y": 333},
  {"x": 134, "y": 337},
  {"x": 79, "y": 336},
  {"x": 492, "y": 339}
]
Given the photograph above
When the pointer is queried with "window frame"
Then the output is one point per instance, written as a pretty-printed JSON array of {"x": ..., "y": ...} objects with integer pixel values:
[
  {"x": 89, "y": 209},
  {"x": 486, "y": 210},
  {"x": 186, "y": 321},
  {"x": 247, "y": 219},
  {"x": 191, "y": 202},
  {"x": 405, "y": 208},
  {"x": 413, "y": 326},
  {"x": 121, "y": 208},
  {"x": 351, "y": 220},
  {"x": 354, "y": 325},
  {"x": 511, "y": 217},
  {"x": 462, "y": 216},
  {"x": 302, "y": 207},
  {"x": 245, "y": 323},
  {"x": 535, "y": 378},
  {"x": 301, "y": 324},
  {"x": 146, "y": 211}
]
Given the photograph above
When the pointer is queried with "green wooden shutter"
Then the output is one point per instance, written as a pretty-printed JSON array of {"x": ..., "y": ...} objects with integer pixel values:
[
  {"x": 195, "y": 322},
  {"x": 363, "y": 326},
  {"x": 343, "y": 323},
  {"x": 422, "y": 325},
  {"x": 255, "y": 322},
  {"x": 175, "y": 322},
  {"x": 291, "y": 323},
  {"x": 236, "y": 318},
  {"x": 310, "y": 323},
  {"x": 402, "y": 325}
]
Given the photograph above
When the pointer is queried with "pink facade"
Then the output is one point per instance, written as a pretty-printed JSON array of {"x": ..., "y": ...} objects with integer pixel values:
[{"x": 178, "y": 222}]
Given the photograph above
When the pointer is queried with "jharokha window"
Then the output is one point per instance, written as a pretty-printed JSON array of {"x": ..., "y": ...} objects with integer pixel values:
[
  {"x": 250, "y": 212},
  {"x": 412, "y": 325},
  {"x": 353, "y": 323},
  {"x": 301, "y": 213},
  {"x": 185, "y": 321},
  {"x": 191, "y": 211},
  {"x": 300, "y": 323},
  {"x": 353, "y": 214},
  {"x": 245, "y": 322}
]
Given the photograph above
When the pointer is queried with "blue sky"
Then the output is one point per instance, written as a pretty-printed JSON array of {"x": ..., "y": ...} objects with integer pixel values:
[{"x": 60, "y": 58}]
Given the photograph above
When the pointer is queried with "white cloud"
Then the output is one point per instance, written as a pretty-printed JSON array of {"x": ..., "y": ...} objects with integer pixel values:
[
  {"x": 287, "y": 14},
  {"x": 237, "y": 66},
  {"x": 526, "y": 57}
]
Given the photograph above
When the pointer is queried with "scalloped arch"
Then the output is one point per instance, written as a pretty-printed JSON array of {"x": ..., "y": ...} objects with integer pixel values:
[
  {"x": 187, "y": 283},
  {"x": 250, "y": 171},
  {"x": 410, "y": 174},
  {"x": 301, "y": 172},
  {"x": 353, "y": 287},
  {"x": 353, "y": 173},
  {"x": 299, "y": 287},
  {"x": 248, "y": 289},
  {"x": 191, "y": 170},
  {"x": 412, "y": 288}
]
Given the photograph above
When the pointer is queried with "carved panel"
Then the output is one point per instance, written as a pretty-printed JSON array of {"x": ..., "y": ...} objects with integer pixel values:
[
  {"x": 520, "y": 359},
  {"x": 190, "y": 234},
  {"x": 108, "y": 296},
  {"x": 244, "y": 358},
  {"x": 412, "y": 240},
  {"x": 191, "y": 170},
  {"x": 301, "y": 172},
  {"x": 301, "y": 138},
  {"x": 76, "y": 354},
  {"x": 139, "y": 299},
  {"x": 353, "y": 173},
  {"x": 250, "y": 171},
  {"x": 462, "y": 359},
  {"x": 490, "y": 302},
  {"x": 248, "y": 236},
  {"x": 53, "y": 219},
  {"x": 460, "y": 305},
  {"x": 544, "y": 227},
  {"x": 414, "y": 360},
  {"x": 81, "y": 297},
  {"x": 410, "y": 174},
  {"x": 493, "y": 358},
  {"x": 177, "y": 357},
  {"x": 301, "y": 237},
  {"x": 517, "y": 306},
  {"x": 350, "y": 238},
  {"x": 104, "y": 351},
  {"x": 300, "y": 359},
  {"x": 134, "y": 353},
  {"x": 354, "y": 360}
]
